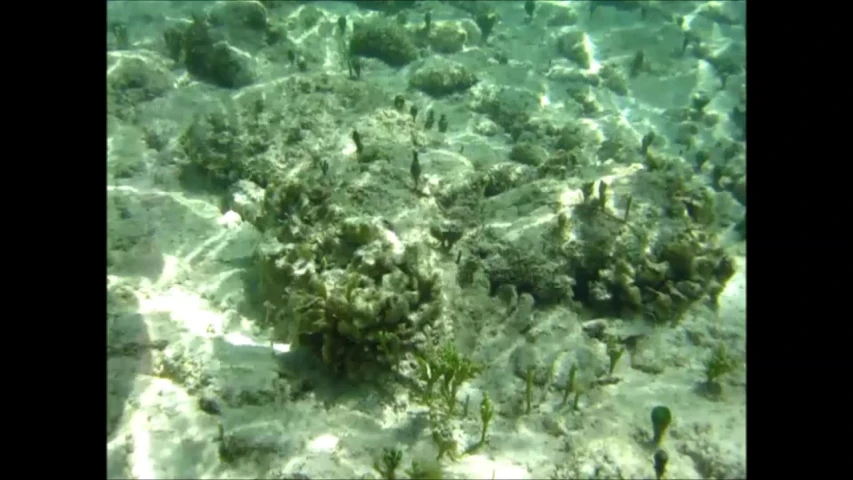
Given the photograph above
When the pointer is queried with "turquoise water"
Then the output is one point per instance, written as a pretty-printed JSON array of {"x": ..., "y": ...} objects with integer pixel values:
[{"x": 388, "y": 239}]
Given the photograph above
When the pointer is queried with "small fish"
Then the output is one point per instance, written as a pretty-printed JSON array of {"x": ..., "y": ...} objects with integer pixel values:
[
  {"x": 430, "y": 119},
  {"x": 415, "y": 169}
]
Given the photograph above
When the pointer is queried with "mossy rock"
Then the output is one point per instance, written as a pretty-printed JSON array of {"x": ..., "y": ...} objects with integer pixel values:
[
  {"x": 385, "y": 41},
  {"x": 505, "y": 176},
  {"x": 613, "y": 79},
  {"x": 572, "y": 46},
  {"x": 208, "y": 56},
  {"x": 213, "y": 143},
  {"x": 620, "y": 271},
  {"x": 528, "y": 153},
  {"x": 291, "y": 202},
  {"x": 246, "y": 14},
  {"x": 350, "y": 296},
  {"x": 509, "y": 107},
  {"x": 439, "y": 77},
  {"x": 563, "y": 17},
  {"x": 133, "y": 81},
  {"x": 448, "y": 38}
]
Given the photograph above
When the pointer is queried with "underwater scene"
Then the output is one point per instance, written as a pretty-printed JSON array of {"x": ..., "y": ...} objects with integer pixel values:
[{"x": 426, "y": 239}]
